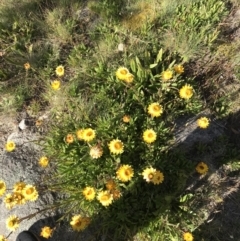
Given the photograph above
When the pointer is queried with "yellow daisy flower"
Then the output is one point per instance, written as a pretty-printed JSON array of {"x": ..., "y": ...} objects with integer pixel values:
[
  {"x": 79, "y": 134},
  {"x": 56, "y": 84},
  {"x": 178, "y": 68},
  {"x": 203, "y": 122},
  {"x": 46, "y": 232},
  {"x": 187, "y": 236},
  {"x": 89, "y": 193},
  {"x": 202, "y": 168},
  {"x": 79, "y": 223},
  {"x": 10, "y": 146},
  {"x": 149, "y": 136},
  {"x": 186, "y": 92},
  {"x": 3, "y": 238},
  {"x": 18, "y": 186},
  {"x": 116, "y": 146},
  {"x": 88, "y": 134},
  {"x": 59, "y": 70},
  {"x": 30, "y": 193},
  {"x": 43, "y": 161},
  {"x": 19, "y": 198},
  {"x": 96, "y": 152},
  {"x": 157, "y": 178},
  {"x": 122, "y": 73},
  {"x": 27, "y": 66},
  {"x": 105, "y": 198},
  {"x": 9, "y": 201},
  {"x": 69, "y": 138},
  {"x": 167, "y": 75},
  {"x": 155, "y": 109},
  {"x": 125, "y": 173},
  {"x": 12, "y": 223},
  {"x": 129, "y": 78},
  {"x": 2, "y": 187},
  {"x": 110, "y": 185},
  {"x": 148, "y": 174},
  {"x": 126, "y": 118}
]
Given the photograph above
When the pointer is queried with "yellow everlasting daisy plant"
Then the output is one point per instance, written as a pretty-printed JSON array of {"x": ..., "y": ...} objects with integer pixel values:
[
  {"x": 167, "y": 75},
  {"x": 148, "y": 174},
  {"x": 125, "y": 173},
  {"x": 10, "y": 146},
  {"x": 157, "y": 178},
  {"x": 79, "y": 223},
  {"x": 178, "y": 68},
  {"x": 43, "y": 161},
  {"x": 12, "y": 223},
  {"x": 19, "y": 186},
  {"x": 30, "y": 193},
  {"x": 203, "y": 122},
  {"x": 202, "y": 168},
  {"x": 105, "y": 198},
  {"x": 155, "y": 109},
  {"x": 69, "y": 138},
  {"x": 19, "y": 198},
  {"x": 56, "y": 84},
  {"x": 3, "y": 238},
  {"x": 122, "y": 73},
  {"x": 186, "y": 92},
  {"x": 46, "y": 232},
  {"x": 59, "y": 71},
  {"x": 9, "y": 201},
  {"x": 89, "y": 193},
  {"x": 116, "y": 146},
  {"x": 2, "y": 187},
  {"x": 187, "y": 236},
  {"x": 88, "y": 134},
  {"x": 149, "y": 136},
  {"x": 27, "y": 66},
  {"x": 126, "y": 118}
]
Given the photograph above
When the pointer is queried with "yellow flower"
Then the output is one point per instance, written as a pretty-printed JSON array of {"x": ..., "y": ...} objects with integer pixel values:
[
  {"x": 56, "y": 84},
  {"x": 13, "y": 223},
  {"x": 2, "y": 187},
  {"x": 46, "y": 232},
  {"x": 69, "y": 138},
  {"x": 122, "y": 73},
  {"x": 126, "y": 118},
  {"x": 167, "y": 75},
  {"x": 155, "y": 110},
  {"x": 203, "y": 122},
  {"x": 125, "y": 173},
  {"x": 186, "y": 92},
  {"x": 79, "y": 134},
  {"x": 3, "y": 238},
  {"x": 18, "y": 186},
  {"x": 116, "y": 146},
  {"x": 96, "y": 152},
  {"x": 105, "y": 198},
  {"x": 149, "y": 136},
  {"x": 30, "y": 193},
  {"x": 148, "y": 174},
  {"x": 9, "y": 201},
  {"x": 27, "y": 66},
  {"x": 202, "y": 168},
  {"x": 89, "y": 193},
  {"x": 19, "y": 198},
  {"x": 178, "y": 68},
  {"x": 129, "y": 78},
  {"x": 116, "y": 194},
  {"x": 88, "y": 134},
  {"x": 38, "y": 123},
  {"x": 157, "y": 178},
  {"x": 10, "y": 146},
  {"x": 59, "y": 70},
  {"x": 79, "y": 223},
  {"x": 43, "y": 161},
  {"x": 187, "y": 236},
  {"x": 110, "y": 185}
]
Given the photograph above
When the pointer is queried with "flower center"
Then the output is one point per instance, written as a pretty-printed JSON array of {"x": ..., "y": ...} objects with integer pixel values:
[
  {"x": 150, "y": 135},
  {"x": 29, "y": 191},
  {"x": 150, "y": 176},
  {"x": 156, "y": 108},
  {"x": 118, "y": 145},
  {"x": 123, "y": 71}
]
